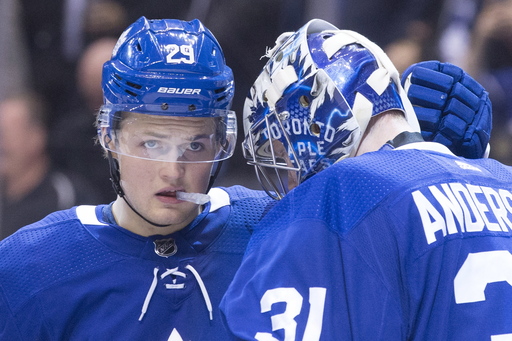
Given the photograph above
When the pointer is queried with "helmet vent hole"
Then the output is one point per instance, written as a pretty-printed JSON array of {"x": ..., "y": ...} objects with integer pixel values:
[
  {"x": 138, "y": 47},
  {"x": 279, "y": 56},
  {"x": 131, "y": 93},
  {"x": 220, "y": 99},
  {"x": 219, "y": 90},
  {"x": 304, "y": 101},
  {"x": 191, "y": 107},
  {"x": 265, "y": 99},
  {"x": 314, "y": 128},
  {"x": 164, "y": 106},
  {"x": 134, "y": 85}
]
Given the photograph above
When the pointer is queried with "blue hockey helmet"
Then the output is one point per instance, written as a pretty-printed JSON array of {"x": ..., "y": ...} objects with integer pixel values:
[
  {"x": 312, "y": 102},
  {"x": 168, "y": 68}
]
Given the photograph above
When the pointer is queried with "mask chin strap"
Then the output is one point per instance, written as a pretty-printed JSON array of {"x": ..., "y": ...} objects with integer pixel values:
[
  {"x": 404, "y": 138},
  {"x": 115, "y": 178}
]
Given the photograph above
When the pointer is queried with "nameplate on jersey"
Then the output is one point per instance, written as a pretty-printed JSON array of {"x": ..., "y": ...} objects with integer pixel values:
[{"x": 461, "y": 208}]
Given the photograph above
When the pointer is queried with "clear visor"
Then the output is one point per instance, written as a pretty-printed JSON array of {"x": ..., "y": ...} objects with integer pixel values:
[
  {"x": 268, "y": 148},
  {"x": 169, "y": 138}
]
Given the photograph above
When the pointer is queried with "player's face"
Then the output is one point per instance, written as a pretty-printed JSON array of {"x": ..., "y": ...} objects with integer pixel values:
[
  {"x": 281, "y": 156},
  {"x": 151, "y": 185}
]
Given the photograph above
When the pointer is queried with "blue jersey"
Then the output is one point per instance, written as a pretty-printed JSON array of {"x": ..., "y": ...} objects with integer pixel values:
[
  {"x": 391, "y": 245},
  {"x": 73, "y": 276}
]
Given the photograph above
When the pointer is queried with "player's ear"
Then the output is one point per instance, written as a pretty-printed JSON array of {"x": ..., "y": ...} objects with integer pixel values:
[{"x": 105, "y": 140}]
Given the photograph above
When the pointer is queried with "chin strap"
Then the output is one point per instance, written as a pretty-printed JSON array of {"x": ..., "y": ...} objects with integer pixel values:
[
  {"x": 115, "y": 178},
  {"x": 213, "y": 176}
]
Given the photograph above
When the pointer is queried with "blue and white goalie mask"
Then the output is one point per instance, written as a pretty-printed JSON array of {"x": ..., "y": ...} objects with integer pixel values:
[
  {"x": 312, "y": 102},
  {"x": 167, "y": 94}
]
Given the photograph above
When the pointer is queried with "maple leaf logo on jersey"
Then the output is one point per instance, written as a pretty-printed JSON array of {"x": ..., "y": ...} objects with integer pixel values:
[
  {"x": 175, "y": 336},
  {"x": 165, "y": 247}
]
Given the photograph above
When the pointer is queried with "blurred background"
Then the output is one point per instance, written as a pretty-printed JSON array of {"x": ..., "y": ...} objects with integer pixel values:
[{"x": 53, "y": 50}]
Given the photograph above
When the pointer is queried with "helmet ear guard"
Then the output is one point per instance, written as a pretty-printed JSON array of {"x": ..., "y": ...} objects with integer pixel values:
[{"x": 324, "y": 85}]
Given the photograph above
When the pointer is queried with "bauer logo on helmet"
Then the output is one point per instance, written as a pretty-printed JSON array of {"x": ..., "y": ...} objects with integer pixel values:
[{"x": 179, "y": 91}]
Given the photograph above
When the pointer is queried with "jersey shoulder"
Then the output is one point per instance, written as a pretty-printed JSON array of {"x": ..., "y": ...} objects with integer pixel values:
[
  {"x": 344, "y": 193},
  {"x": 248, "y": 205},
  {"x": 238, "y": 192},
  {"x": 49, "y": 250},
  {"x": 247, "y": 209}
]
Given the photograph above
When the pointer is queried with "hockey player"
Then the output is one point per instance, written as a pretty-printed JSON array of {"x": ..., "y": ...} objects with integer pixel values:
[
  {"x": 379, "y": 235},
  {"x": 154, "y": 264}
]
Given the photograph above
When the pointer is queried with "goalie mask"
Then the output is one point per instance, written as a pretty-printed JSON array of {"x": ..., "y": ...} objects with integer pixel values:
[
  {"x": 168, "y": 69},
  {"x": 312, "y": 102}
]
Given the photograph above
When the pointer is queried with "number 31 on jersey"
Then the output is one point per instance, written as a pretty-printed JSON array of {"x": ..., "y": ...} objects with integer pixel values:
[{"x": 286, "y": 320}]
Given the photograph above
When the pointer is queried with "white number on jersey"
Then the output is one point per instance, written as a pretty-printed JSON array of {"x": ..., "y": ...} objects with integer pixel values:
[
  {"x": 286, "y": 320},
  {"x": 478, "y": 270}
]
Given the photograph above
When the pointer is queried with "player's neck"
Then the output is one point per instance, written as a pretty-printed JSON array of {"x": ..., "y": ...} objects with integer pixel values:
[
  {"x": 131, "y": 221},
  {"x": 382, "y": 128}
]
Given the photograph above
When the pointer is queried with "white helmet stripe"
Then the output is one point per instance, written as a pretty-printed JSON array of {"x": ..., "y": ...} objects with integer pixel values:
[
  {"x": 379, "y": 80},
  {"x": 336, "y": 42},
  {"x": 280, "y": 79}
]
